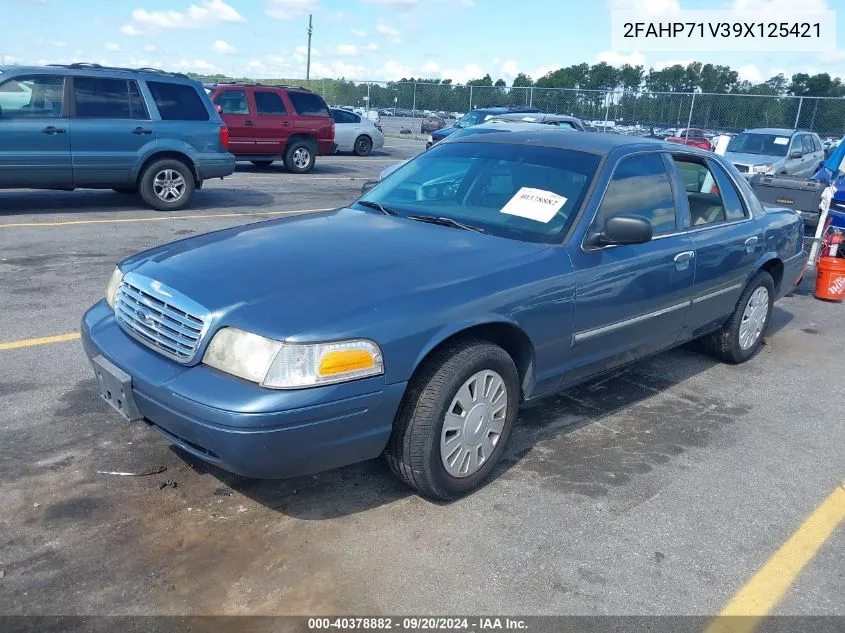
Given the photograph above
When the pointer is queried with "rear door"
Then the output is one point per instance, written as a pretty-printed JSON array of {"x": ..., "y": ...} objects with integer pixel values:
[
  {"x": 111, "y": 128},
  {"x": 34, "y": 132},
  {"x": 235, "y": 110},
  {"x": 312, "y": 118},
  {"x": 809, "y": 160},
  {"x": 272, "y": 122},
  {"x": 632, "y": 299}
]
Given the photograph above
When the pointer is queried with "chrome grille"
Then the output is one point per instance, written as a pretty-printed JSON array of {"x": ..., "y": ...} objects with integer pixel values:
[{"x": 159, "y": 317}]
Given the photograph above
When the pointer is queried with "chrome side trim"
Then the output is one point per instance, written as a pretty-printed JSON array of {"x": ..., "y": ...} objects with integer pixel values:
[
  {"x": 710, "y": 295},
  {"x": 587, "y": 334}
]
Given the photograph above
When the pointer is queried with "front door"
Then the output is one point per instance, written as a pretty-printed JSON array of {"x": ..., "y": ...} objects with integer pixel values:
[
  {"x": 34, "y": 133},
  {"x": 233, "y": 106},
  {"x": 272, "y": 123},
  {"x": 631, "y": 300},
  {"x": 111, "y": 131}
]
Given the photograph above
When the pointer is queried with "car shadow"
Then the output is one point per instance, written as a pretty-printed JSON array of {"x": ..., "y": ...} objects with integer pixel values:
[
  {"x": 320, "y": 169},
  {"x": 91, "y": 200},
  {"x": 642, "y": 436}
]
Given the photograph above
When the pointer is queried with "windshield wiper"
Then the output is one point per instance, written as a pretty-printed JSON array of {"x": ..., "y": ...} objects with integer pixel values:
[
  {"x": 446, "y": 222},
  {"x": 377, "y": 206}
]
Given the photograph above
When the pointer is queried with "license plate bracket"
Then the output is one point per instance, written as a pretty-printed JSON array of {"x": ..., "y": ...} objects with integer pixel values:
[{"x": 116, "y": 388}]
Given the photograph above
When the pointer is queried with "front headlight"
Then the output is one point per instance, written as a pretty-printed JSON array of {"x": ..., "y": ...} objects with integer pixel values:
[
  {"x": 280, "y": 365},
  {"x": 762, "y": 169},
  {"x": 113, "y": 286}
]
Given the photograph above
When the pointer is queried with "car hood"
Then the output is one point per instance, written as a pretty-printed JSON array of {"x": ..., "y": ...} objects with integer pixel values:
[
  {"x": 752, "y": 159},
  {"x": 279, "y": 277},
  {"x": 439, "y": 135}
]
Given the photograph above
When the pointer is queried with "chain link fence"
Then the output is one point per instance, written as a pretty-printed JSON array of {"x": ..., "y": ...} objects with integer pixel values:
[{"x": 603, "y": 109}]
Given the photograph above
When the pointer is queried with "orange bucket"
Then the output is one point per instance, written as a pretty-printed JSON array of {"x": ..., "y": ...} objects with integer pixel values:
[{"x": 830, "y": 278}]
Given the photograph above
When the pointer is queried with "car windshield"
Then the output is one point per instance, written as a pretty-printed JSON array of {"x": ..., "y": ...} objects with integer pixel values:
[
  {"x": 470, "y": 119},
  {"x": 763, "y": 144},
  {"x": 516, "y": 191}
]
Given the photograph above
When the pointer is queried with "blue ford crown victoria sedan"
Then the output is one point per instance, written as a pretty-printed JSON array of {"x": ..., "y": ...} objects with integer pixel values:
[{"x": 483, "y": 274}]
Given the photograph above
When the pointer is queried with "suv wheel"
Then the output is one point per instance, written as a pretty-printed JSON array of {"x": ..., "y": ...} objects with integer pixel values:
[
  {"x": 363, "y": 145},
  {"x": 261, "y": 163},
  {"x": 167, "y": 185},
  {"x": 299, "y": 157}
]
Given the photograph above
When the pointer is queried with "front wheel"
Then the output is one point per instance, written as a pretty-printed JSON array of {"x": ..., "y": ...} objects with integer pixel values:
[
  {"x": 741, "y": 337},
  {"x": 299, "y": 157},
  {"x": 167, "y": 185},
  {"x": 455, "y": 420}
]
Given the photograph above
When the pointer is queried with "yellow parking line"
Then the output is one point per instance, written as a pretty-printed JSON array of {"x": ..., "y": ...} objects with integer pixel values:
[
  {"x": 164, "y": 218},
  {"x": 766, "y": 588},
  {"x": 32, "y": 342}
]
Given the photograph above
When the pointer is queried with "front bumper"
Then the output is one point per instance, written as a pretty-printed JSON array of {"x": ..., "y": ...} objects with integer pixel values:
[{"x": 239, "y": 426}]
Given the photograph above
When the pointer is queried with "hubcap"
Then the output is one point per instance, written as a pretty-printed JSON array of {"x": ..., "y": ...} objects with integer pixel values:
[
  {"x": 363, "y": 145},
  {"x": 169, "y": 185},
  {"x": 474, "y": 423},
  {"x": 754, "y": 318},
  {"x": 301, "y": 157}
]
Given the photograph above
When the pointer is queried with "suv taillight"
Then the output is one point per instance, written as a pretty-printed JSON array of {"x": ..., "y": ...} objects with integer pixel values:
[{"x": 224, "y": 137}]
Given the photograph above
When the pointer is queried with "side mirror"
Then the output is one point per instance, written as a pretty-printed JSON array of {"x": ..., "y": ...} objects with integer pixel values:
[
  {"x": 368, "y": 185},
  {"x": 796, "y": 153},
  {"x": 622, "y": 228}
]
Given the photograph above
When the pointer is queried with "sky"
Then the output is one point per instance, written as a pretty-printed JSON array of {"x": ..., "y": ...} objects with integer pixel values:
[{"x": 377, "y": 40}]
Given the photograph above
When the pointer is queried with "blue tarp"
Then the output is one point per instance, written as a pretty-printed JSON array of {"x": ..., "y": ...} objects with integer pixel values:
[{"x": 830, "y": 168}]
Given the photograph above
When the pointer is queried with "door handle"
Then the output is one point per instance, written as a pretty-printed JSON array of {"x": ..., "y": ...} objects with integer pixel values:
[
  {"x": 684, "y": 257},
  {"x": 52, "y": 130},
  {"x": 751, "y": 241},
  {"x": 141, "y": 130},
  {"x": 249, "y": 123}
]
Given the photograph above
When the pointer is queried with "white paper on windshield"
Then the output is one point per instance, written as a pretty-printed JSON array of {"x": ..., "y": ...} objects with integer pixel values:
[
  {"x": 781, "y": 140},
  {"x": 534, "y": 204}
]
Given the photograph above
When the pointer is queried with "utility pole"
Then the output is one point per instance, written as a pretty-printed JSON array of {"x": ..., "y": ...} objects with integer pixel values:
[{"x": 308, "y": 63}]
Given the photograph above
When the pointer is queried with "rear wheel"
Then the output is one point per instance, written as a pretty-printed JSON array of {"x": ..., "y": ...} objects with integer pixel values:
[
  {"x": 363, "y": 145},
  {"x": 261, "y": 163},
  {"x": 455, "y": 420},
  {"x": 167, "y": 184},
  {"x": 300, "y": 157},
  {"x": 741, "y": 337}
]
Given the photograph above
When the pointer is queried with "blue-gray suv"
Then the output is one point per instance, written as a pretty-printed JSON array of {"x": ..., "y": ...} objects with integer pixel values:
[{"x": 89, "y": 126}]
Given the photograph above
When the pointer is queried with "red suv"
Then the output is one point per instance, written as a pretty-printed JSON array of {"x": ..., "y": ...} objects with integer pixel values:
[{"x": 269, "y": 123}]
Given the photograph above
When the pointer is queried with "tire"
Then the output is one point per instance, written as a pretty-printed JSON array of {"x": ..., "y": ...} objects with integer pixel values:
[
  {"x": 363, "y": 145},
  {"x": 300, "y": 157},
  {"x": 418, "y": 439},
  {"x": 261, "y": 163},
  {"x": 153, "y": 184},
  {"x": 728, "y": 343},
  {"x": 126, "y": 190}
]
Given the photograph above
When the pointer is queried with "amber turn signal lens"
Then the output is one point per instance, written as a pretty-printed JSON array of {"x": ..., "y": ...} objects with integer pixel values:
[{"x": 345, "y": 360}]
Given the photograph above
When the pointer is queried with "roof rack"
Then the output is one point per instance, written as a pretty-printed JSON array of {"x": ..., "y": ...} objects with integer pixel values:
[
  {"x": 89, "y": 66},
  {"x": 256, "y": 84}
]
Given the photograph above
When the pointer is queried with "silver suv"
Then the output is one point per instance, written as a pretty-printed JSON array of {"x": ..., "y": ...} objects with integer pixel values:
[{"x": 776, "y": 151}]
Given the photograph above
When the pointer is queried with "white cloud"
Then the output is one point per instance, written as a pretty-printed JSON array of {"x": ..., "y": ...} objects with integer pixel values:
[
  {"x": 346, "y": 50},
  {"x": 359, "y": 33},
  {"x": 618, "y": 59},
  {"x": 749, "y": 72},
  {"x": 255, "y": 64},
  {"x": 671, "y": 62},
  {"x": 40, "y": 41},
  {"x": 150, "y": 48},
  {"x": 773, "y": 7},
  {"x": 832, "y": 57},
  {"x": 394, "y": 3},
  {"x": 10, "y": 59},
  {"x": 113, "y": 46},
  {"x": 300, "y": 53},
  {"x": 211, "y": 13},
  {"x": 277, "y": 60},
  {"x": 225, "y": 48},
  {"x": 393, "y": 70},
  {"x": 659, "y": 7},
  {"x": 431, "y": 68},
  {"x": 197, "y": 65},
  {"x": 287, "y": 9},
  {"x": 509, "y": 69},
  {"x": 463, "y": 75},
  {"x": 544, "y": 70},
  {"x": 371, "y": 47},
  {"x": 320, "y": 70},
  {"x": 390, "y": 31}
]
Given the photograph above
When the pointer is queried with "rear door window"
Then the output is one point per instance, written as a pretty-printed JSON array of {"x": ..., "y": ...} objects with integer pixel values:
[
  {"x": 103, "y": 98},
  {"x": 816, "y": 143},
  {"x": 178, "y": 102},
  {"x": 308, "y": 104},
  {"x": 36, "y": 96},
  {"x": 232, "y": 102},
  {"x": 807, "y": 144},
  {"x": 269, "y": 103}
]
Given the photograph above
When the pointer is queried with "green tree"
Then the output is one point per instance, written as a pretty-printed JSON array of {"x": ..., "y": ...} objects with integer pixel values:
[{"x": 522, "y": 81}]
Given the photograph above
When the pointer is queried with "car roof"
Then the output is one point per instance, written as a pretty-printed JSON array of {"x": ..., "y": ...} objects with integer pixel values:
[
  {"x": 106, "y": 71},
  {"x": 556, "y": 138},
  {"x": 778, "y": 131},
  {"x": 536, "y": 117}
]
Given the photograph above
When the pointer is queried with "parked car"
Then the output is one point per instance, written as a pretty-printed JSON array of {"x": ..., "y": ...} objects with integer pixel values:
[
  {"x": 88, "y": 126},
  {"x": 426, "y": 312},
  {"x": 557, "y": 120},
  {"x": 431, "y": 123},
  {"x": 474, "y": 117},
  {"x": 693, "y": 136},
  {"x": 776, "y": 151},
  {"x": 270, "y": 123},
  {"x": 354, "y": 133}
]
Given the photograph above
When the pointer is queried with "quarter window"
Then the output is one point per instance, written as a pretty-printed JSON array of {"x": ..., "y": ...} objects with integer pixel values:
[
  {"x": 177, "y": 102},
  {"x": 640, "y": 186},
  {"x": 38, "y": 96},
  {"x": 269, "y": 103},
  {"x": 232, "y": 102},
  {"x": 100, "y": 98},
  {"x": 308, "y": 104},
  {"x": 808, "y": 144}
]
